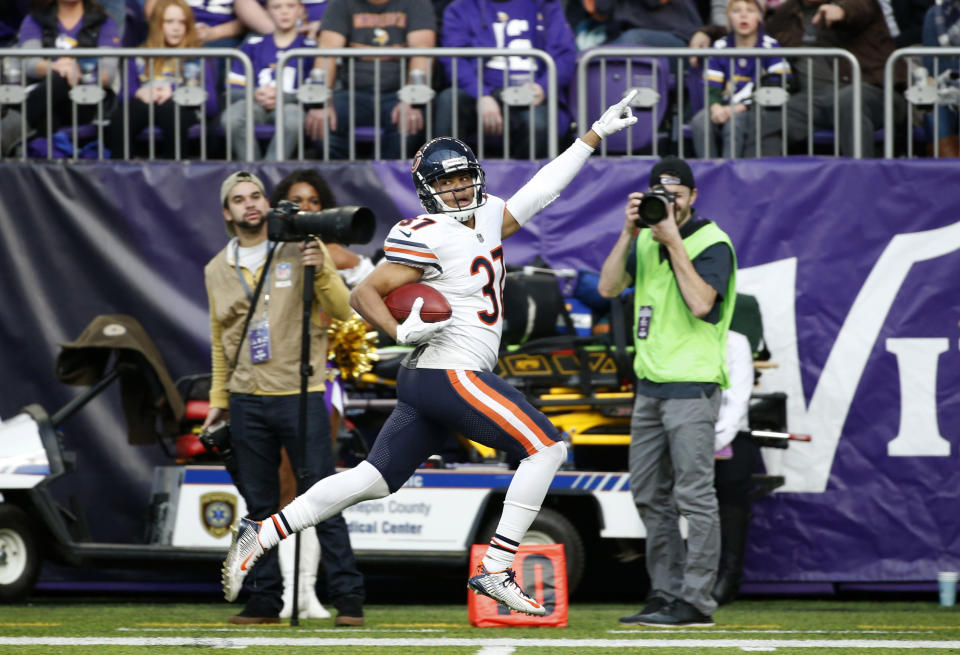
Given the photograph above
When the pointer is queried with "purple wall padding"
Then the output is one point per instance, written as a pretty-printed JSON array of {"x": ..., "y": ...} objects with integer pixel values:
[{"x": 856, "y": 265}]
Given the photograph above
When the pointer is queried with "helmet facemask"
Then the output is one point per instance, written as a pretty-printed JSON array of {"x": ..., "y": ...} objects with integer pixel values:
[{"x": 462, "y": 212}]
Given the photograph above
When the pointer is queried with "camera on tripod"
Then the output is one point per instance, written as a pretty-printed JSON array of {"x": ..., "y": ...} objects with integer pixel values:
[
  {"x": 655, "y": 205},
  {"x": 344, "y": 225}
]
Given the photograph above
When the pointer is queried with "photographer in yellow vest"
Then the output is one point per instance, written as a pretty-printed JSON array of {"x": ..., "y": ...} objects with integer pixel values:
[{"x": 683, "y": 270}]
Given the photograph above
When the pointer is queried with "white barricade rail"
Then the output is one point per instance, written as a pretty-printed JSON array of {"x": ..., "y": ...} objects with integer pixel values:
[
  {"x": 16, "y": 85},
  {"x": 928, "y": 87},
  {"x": 418, "y": 92},
  {"x": 678, "y": 67}
]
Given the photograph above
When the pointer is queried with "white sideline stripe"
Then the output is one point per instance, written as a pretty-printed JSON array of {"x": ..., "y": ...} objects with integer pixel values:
[
  {"x": 496, "y": 650},
  {"x": 626, "y": 631},
  {"x": 301, "y": 630},
  {"x": 242, "y": 642},
  {"x": 716, "y": 631}
]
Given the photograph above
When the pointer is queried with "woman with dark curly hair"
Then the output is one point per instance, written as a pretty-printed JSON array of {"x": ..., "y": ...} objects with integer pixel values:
[{"x": 310, "y": 191}]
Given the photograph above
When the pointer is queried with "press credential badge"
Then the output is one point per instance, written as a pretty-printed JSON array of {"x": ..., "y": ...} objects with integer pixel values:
[
  {"x": 260, "y": 341},
  {"x": 643, "y": 321}
]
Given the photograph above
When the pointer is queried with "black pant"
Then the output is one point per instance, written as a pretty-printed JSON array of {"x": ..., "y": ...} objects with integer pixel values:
[
  {"x": 164, "y": 117},
  {"x": 733, "y": 477},
  {"x": 61, "y": 106},
  {"x": 260, "y": 425}
]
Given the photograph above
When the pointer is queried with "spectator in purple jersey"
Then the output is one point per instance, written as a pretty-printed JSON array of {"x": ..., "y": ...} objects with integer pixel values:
[
  {"x": 387, "y": 24},
  {"x": 153, "y": 80},
  {"x": 218, "y": 24},
  {"x": 729, "y": 115},
  {"x": 264, "y": 51},
  {"x": 62, "y": 24},
  {"x": 506, "y": 24}
]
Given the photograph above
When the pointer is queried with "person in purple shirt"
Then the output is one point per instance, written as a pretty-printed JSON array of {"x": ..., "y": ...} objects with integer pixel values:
[
  {"x": 728, "y": 118},
  {"x": 264, "y": 51},
  {"x": 153, "y": 80},
  {"x": 63, "y": 24},
  {"x": 218, "y": 23},
  {"x": 506, "y": 24}
]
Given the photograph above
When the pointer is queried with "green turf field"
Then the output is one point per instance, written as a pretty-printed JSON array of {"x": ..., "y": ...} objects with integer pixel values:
[{"x": 98, "y": 626}]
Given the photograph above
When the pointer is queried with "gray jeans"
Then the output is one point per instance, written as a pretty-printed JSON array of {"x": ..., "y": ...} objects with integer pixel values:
[
  {"x": 737, "y": 137},
  {"x": 821, "y": 116},
  {"x": 234, "y": 121},
  {"x": 671, "y": 474}
]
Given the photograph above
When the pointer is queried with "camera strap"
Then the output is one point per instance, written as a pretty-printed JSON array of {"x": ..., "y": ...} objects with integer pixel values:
[{"x": 253, "y": 305}]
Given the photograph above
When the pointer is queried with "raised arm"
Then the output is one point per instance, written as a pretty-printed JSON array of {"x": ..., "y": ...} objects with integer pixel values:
[
  {"x": 544, "y": 187},
  {"x": 614, "y": 277}
]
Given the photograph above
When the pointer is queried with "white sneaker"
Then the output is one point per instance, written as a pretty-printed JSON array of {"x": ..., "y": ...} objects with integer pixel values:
[
  {"x": 503, "y": 588},
  {"x": 244, "y": 551}
]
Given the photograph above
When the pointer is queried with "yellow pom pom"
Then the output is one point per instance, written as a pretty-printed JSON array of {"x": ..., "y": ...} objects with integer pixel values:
[{"x": 351, "y": 347}]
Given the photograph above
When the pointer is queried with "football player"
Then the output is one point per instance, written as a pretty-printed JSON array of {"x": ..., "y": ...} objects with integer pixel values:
[{"x": 447, "y": 385}]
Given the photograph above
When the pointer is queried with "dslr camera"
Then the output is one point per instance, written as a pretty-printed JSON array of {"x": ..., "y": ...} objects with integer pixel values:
[
  {"x": 654, "y": 206},
  {"x": 344, "y": 225}
]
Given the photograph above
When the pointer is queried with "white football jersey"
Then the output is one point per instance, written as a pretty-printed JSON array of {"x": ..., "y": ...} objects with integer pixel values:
[{"x": 465, "y": 265}]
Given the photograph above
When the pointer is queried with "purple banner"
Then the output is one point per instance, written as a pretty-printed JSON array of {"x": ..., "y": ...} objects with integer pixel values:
[{"x": 855, "y": 265}]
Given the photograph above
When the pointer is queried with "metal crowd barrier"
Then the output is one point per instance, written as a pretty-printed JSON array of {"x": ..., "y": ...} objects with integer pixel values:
[
  {"x": 420, "y": 93},
  {"x": 90, "y": 90},
  {"x": 651, "y": 98},
  {"x": 933, "y": 87},
  {"x": 654, "y": 96}
]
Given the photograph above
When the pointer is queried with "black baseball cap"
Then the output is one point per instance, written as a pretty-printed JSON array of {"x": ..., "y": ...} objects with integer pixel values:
[{"x": 672, "y": 170}]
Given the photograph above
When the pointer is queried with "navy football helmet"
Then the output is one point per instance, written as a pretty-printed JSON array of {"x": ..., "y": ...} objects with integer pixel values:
[{"x": 439, "y": 157}]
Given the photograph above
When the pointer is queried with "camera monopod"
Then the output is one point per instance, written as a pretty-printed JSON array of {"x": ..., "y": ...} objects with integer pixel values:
[{"x": 351, "y": 225}]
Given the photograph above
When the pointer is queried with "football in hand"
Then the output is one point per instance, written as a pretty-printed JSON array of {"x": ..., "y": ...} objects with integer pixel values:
[{"x": 435, "y": 306}]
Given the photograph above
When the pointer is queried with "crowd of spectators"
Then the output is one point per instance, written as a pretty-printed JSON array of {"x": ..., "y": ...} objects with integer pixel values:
[{"x": 503, "y": 104}]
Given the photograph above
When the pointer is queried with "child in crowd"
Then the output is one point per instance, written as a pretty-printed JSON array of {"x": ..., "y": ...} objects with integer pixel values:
[
  {"x": 218, "y": 24},
  {"x": 728, "y": 116},
  {"x": 264, "y": 52},
  {"x": 153, "y": 80}
]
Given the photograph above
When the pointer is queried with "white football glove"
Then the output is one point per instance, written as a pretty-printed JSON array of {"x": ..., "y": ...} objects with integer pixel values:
[
  {"x": 414, "y": 330},
  {"x": 616, "y": 117}
]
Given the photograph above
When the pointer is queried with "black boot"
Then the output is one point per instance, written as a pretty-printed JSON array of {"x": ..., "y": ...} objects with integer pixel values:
[{"x": 734, "y": 520}]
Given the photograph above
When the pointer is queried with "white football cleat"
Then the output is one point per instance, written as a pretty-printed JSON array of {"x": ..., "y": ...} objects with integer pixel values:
[
  {"x": 503, "y": 588},
  {"x": 244, "y": 551}
]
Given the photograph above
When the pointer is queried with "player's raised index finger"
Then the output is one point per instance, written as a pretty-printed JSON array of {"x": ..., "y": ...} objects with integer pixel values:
[{"x": 627, "y": 98}]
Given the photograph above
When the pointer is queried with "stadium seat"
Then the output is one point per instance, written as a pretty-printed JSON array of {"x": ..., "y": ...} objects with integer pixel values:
[{"x": 606, "y": 85}]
